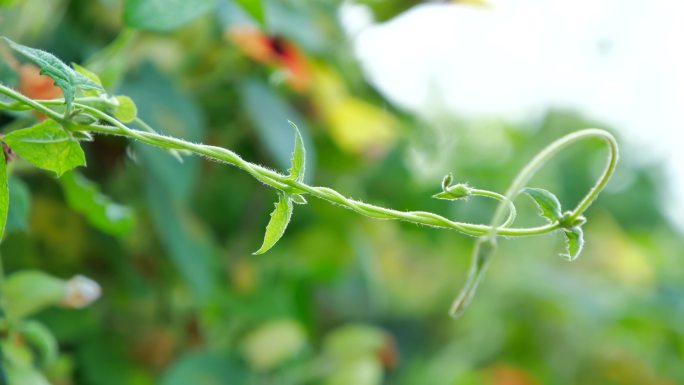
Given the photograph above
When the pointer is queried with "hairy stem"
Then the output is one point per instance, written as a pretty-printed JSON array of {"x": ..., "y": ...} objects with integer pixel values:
[{"x": 282, "y": 182}]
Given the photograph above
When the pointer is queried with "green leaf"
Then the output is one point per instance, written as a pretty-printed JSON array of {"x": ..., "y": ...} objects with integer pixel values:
[
  {"x": 455, "y": 192},
  {"x": 297, "y": 198},
  {"x": 84, "y": 197},
  {"x": 64, "y": 76},
  {"x": 549, "y": 206},
  {"x": 4, "y": 194},
  {"x": 298, "y": 156},
  {"x": 20, "y": 200},
  {"x": 47, "y": 146},
  {"x": 40, "y": 340},
  {"x": 90, "y": 75},
  {"x": 575, "y": 243},
  {"x": 164, "y": 15},
  {"x": 29, "y": 291},
  {"x": 126, "y": 111},
  {"x": 280, "y": 218},
  {"x": 255, "y": 8}
]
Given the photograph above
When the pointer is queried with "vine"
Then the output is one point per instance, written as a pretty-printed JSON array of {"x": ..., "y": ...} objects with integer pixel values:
[{"x": 87, "y": 109}]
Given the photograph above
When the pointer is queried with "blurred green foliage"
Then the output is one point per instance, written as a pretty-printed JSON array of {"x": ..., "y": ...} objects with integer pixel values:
[{"x": 341, "y": 299}]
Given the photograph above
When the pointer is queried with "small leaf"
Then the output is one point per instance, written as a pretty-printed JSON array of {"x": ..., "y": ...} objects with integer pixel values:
[
  {"x": 84, "y": 197},
  {"x": 255, "y": 8},
  {"x": 90, "y": 75},
  {"x": 280, "y": 218},
  {"x": 298, "y": 199},
  {"x": 446, "y": 181},
  {"x": 575, "y": 243},
  {"x": 126, "y": 111},
  {"x": 298, "y": 156},
  {"x": 457, "y": 191},
  {"x": 444, "y": 195},
  {"x": 164, "y": 15},
  {"x": 64, "y": 76},
  {"x": 549, "y": 206},
  {"x": 46, "y": 145}
]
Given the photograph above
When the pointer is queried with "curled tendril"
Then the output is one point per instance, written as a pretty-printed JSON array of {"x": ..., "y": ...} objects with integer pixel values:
[
  {"x": 486, "y": 244},
  {"x": 487, "y": 234}
]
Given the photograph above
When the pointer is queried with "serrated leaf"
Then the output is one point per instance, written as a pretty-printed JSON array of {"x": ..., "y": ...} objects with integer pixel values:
[
  {"x": 280, "y": 218},
  {"x": 4, "y": 194},
  {"x": 298, "y": 156},
  {"x": 64, "y": 76},
  {"x": 84, "y": 197},
  {"x": 549, "y": 206},
  {"x": 126, "y": 111},
  {"x": 163, "y": 15},
  {"x": 255, "y": 8},
  {"x": 575, "y": 243},
  {"x": 47, "y": 146}
]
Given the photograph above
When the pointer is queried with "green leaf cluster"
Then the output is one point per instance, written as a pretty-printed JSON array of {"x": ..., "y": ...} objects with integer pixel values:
[{"x": 550, "y": 209}]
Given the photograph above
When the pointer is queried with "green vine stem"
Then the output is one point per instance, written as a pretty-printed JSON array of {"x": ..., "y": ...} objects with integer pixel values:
[
  {"x": 487, "y": 234},
  {"x": 265, "y": 175}
]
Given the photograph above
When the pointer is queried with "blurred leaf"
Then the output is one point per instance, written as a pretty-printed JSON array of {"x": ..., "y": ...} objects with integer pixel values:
[
  {"x": 272, "y": 343},
  {"x": 187, "y": 242},
  {"x": 90, "y": 75},
  {"x": 575, "y": 242},
  {"x": 65, "y": 77},
  {"x": 29, "y": 291},
  {"x": 40, "y": 340},
  {"x": 351, "y": 341},
  {"x": 48, "y": 146},
  {"x": 203, "y": 368},
  {"x": 549, "y": 206},
  {"x": 164, "y": 15},
  {"x": 255, "y": 8},
  {"x": 175, "y": 114},
  {"x": 8, "y": 75},
  {"x": 4, "y": 194},
  {"x": 84, "y": 197},
  {"x": 126, "y": 111},
  {"x": 19, "y": 204},
  {"x": 280, "y": 218},
  {"x": 362, "y": 370},
  {"x": 270, "y": 114}
]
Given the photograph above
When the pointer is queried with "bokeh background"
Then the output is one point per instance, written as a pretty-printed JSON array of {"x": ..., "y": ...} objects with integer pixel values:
[{"x": 390, "y": 96}]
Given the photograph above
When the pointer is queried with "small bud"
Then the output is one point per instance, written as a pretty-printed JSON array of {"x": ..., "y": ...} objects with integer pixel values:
[
  {"x": 460, "y": 190},
  {"x": 457, "y": 191},
  {"x": 448, "y": 178},
  {"x": 84, "y": 119},
  {"x": 80, "y": 292}
]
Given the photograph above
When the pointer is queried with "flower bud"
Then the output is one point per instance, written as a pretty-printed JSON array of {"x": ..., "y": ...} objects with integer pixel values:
[{"x": 80, "y": 292}]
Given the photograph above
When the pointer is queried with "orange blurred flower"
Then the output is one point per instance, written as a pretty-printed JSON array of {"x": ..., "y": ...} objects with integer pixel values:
[
  {"x": 275, "y": 51},
  {"x": 36, "y": 86}
]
